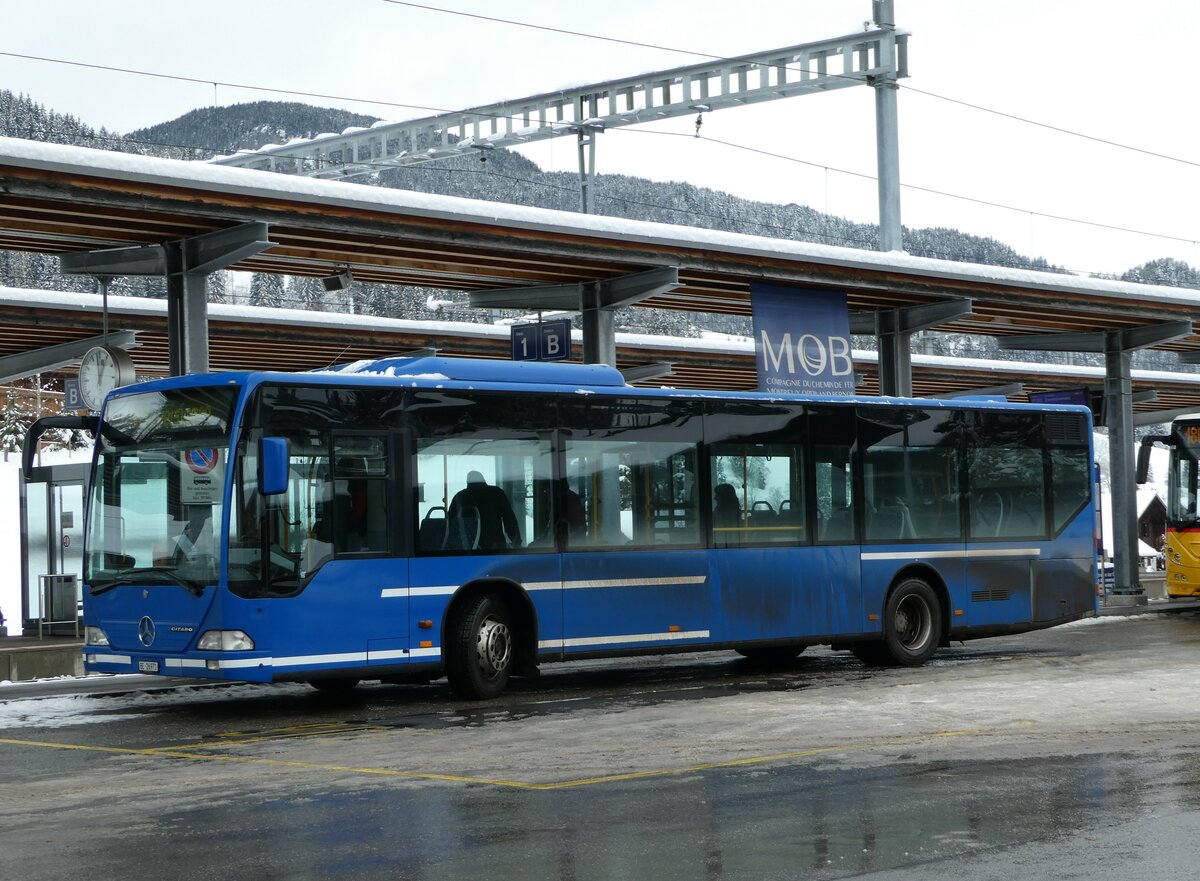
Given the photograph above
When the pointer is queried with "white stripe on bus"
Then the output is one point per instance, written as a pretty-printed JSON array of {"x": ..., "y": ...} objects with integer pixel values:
[
  {"x": 245, "y": 662},
  {"x": 622, "y": 639},
  {"x": 975, "y": 553},
  {"x": 183, "y": 662},
  {"x": 448, "y": 589},
  {"x": 111, "y": 659},
  {"x": 298, "y": 660}
]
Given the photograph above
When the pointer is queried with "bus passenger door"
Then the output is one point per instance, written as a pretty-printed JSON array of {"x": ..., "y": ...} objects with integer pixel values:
[{"x": 634, "y": 574}]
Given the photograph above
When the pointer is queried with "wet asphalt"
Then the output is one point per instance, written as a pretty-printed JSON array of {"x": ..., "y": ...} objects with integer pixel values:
[{"x": 1063, "y": 754}]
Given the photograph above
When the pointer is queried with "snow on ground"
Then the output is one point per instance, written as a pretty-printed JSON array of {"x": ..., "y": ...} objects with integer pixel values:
[{"x": 76, "y": 709}]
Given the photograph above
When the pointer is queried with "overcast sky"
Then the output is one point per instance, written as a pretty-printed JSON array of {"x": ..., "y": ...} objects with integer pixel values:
[{"x": 1111, "y": 69}]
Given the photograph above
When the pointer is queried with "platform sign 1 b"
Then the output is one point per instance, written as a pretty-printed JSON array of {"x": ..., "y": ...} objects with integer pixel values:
[
  {"x": 544, "y": 341},
  {"x": 72, "y": 400}
]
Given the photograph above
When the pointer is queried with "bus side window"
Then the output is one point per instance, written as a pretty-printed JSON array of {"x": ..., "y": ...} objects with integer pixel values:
[
  {"x": 765, "y": 483},
  {"x": 482, "y": 495},
  {"x": 1006, "y": 474},
  {"x": 911, "y": 473},
  {"x": 634, "y": 492},
  {"x": 832, "y": 434},
  {"x": 358, "y": 505},
  {"x": 1070, "y": 468}
]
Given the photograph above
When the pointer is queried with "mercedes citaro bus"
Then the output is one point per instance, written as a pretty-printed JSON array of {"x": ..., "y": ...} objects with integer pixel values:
[{"x": 416, "y": 517}]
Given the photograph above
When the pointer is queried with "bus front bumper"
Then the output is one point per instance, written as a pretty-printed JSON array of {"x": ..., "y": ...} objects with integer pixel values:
[{"x": 239, "y": 666}]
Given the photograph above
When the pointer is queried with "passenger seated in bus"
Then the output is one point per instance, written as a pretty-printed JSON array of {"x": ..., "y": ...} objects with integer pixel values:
[
  {"x": 497, "y": 522},
  {"x": 573, "y": 512},
  {"x": 890, "y": 521},
  {"x": 727, "y": 513}
]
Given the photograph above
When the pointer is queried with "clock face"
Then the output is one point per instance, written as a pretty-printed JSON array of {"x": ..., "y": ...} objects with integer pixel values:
[{"x": 102, "y": 369}]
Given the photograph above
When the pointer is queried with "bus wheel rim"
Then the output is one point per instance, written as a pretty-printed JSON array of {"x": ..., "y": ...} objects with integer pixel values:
[
  {"x": 493, "y": 647},
  {"x": 913, "y": 622}
]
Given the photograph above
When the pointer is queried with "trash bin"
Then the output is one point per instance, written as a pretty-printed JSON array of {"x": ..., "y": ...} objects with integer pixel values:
[{"x": 59, "y": 606}]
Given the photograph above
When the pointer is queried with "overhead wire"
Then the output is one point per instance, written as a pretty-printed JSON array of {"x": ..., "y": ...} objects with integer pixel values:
[{"x": 657, "y": 47}]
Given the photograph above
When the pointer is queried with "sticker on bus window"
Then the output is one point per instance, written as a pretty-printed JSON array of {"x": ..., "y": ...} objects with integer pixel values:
[{"x": 201, "y": 476}]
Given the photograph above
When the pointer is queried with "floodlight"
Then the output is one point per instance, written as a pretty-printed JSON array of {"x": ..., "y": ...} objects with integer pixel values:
[{"x": 338, "y": 281}]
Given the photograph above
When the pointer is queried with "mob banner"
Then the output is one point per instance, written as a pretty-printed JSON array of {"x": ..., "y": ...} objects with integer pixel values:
[{"x": 802, "y": 340}]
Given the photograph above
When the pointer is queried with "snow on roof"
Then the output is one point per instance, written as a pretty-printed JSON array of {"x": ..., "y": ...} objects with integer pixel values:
[
  {"x": 1144, "y": 498},
  {"x": 264, "y": 184}
]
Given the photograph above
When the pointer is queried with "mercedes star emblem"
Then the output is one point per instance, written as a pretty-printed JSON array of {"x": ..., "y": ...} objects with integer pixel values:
[{"x": 146, "y": 632}]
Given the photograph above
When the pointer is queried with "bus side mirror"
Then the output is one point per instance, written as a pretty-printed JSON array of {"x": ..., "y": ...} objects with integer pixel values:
[
  {"x": 273, "y": 463},
  {"x": 1143, "y": 462},
  {"x": 47, "y": 423}
]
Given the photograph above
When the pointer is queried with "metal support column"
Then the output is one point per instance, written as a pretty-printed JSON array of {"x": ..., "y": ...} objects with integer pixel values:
[
  {"x": 587, "y": 165},
  {"x": 894, "y": 329},
  {"x": 1118, "y": 408},
  {"x": 1117, "y": 346},
  {"x": 599, "y": 329},
  {"x": 186, "y": 263},
  {"x": 887, "y": 129},
  {"x": 187, "y": 314}
]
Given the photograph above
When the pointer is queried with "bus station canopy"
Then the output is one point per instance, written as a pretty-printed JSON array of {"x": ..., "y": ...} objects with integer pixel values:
[{"x": 61, "y": 200}]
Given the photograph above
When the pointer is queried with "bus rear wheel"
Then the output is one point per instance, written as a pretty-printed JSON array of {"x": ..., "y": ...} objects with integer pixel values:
[
  {"x": 479, "y": 659},
  {"x": 912, "y": 623}
]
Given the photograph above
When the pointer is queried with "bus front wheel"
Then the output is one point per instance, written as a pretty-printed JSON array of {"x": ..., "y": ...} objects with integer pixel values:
[{"x": 480, "y": 656}]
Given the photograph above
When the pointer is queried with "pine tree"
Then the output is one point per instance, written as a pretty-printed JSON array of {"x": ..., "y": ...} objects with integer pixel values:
[
  {"x": 307, "y": 293},
  {"x": 216, "y": 287},
  {"x": 14, "y": 423},
  {"x": 267, "y": 290}
]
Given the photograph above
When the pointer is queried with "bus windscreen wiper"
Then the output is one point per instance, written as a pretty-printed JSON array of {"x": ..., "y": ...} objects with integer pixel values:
[{"x": 193, "y": 587}]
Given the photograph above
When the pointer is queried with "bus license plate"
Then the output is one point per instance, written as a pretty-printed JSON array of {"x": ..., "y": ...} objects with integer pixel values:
[{"x": 147, "y": 666}]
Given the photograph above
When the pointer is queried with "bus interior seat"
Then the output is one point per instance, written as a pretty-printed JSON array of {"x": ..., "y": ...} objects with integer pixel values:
[
  {"x": 432, "y": 534},
  {"x": 1024, "y": 515},
  {"x": 988, "y": 513},
  {"x": 761, "y": 514},
  {"x": 789, "y": 516},
  {"x": 462, "y": 530},
  {"x": 838, "y": 525},
  {"x": 890, "y": 522}
]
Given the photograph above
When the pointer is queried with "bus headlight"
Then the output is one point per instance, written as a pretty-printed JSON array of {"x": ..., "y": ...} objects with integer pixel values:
[
  {"x": 94, "y": 636},
  {"x": 225, "y": 641}
]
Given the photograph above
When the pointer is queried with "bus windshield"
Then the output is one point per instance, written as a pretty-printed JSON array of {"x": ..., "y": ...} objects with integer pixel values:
[
  {"x": 157, "y": 489},
  {"x": 1182, "y": 488}
]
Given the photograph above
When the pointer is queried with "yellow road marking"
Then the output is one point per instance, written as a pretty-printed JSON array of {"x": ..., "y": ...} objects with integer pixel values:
[
  {"x": 185, "y": 752},
  {"x": 238, "y": 738}
]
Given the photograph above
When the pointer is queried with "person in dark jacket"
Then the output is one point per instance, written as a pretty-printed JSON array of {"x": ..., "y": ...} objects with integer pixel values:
[{"x": 498, "y": 528}]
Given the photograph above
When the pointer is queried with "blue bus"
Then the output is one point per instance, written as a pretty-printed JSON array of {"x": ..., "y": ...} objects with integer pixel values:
[{"x": 409, "y": 518}]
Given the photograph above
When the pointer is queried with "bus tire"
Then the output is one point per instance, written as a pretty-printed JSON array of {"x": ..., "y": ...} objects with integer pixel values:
[
  {"x": 770, "y": 655},
  {"x": 912, "y": 623},
  {"x": 480, "y": 655},
  {"x": 338, "y": 685}
]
